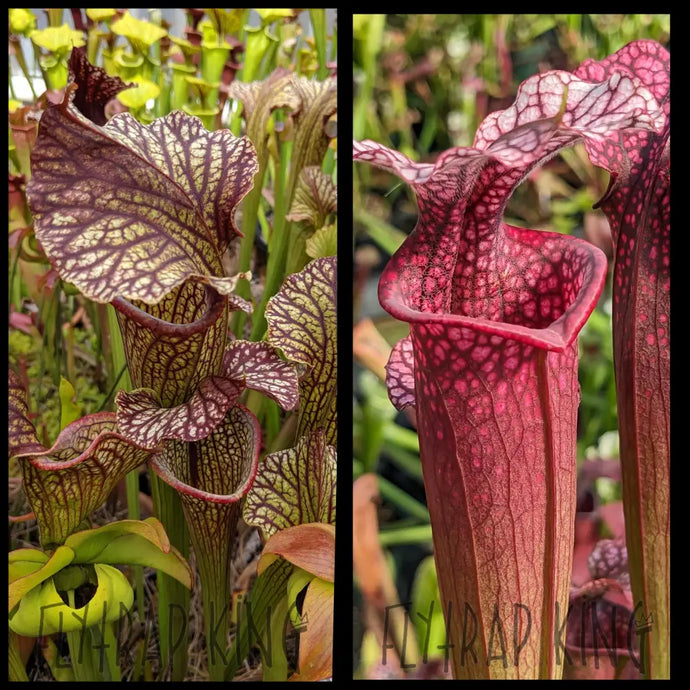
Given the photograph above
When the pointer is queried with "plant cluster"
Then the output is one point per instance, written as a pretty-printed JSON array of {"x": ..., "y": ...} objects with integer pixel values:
[
  {"x": 491, "y": 361},
  {"x": 125, "y": 184}
]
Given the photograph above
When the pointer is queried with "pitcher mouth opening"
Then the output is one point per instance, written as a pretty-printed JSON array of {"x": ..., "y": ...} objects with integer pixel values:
[
  {"x": 569, "y": 300},
  {"x": 215, "y": 305}
]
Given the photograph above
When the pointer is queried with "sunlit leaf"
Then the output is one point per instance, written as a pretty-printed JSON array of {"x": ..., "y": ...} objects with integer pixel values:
[
  {"x": 22, "y": 21},
  {"x": 100, "y": 14},
  {"x": 310, "y": 546},
  {"x": 132, "y": 210},
  {"x": 131, "y": 542},
  {"x": 137, "y": 96},
  {"x": 42, "y": 611},
  {"x": 299, "y": 579},
  {"x": 302, "y": 323},
  {"x": 188, "y": 49},
  {"x": 260, "y": 42},
  {"x": 21, "y": 584},
  {"x": 225, "y": 22},
  {"x": 324, "y": 242},
  {"x": 293, "y": 487},
  {"x": 58, "y": 40},
  {"x": 315, "y": 197},
  {"x": 261, "y": 369},
  {"x": 316, "y": 639},
  {"x": 269, "y": 16},
  {"x": 140, "y": 34}
]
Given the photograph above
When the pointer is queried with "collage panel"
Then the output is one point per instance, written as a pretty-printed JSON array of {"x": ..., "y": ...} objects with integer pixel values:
[
  {"x": 172, "y": 343},
  {"x": 511, "y": 422}
]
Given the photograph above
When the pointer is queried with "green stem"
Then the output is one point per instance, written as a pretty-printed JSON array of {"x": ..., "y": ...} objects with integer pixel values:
[
  {"x": 44, "y": 75},
  {"x": 329, "y": 164},
  {"x": 275, "y": 269},
  {"x": 402, "y": 437},
  {"x": 418, "y": 534},
  {"x": 19, "y": 56},
  {"x": 110, "y": 393},
  {"x": 364, "y": 104},
  {"x": 173, "y": 597},
  {"x": 104, "y": 641},
  {"x": 406, "y": 461},
  {"x": 334, "y": 42},
  {"x": 16, "y": 670},
  {"x": 15, "y": 281},
  {"x": 275, "y": 669},
  {"x": 80, "y": 649},
  {"x": 250, "y": 211},
  {"x": 134, "y": 511},
  {"x": 285, "y": 438},
  {"x": 402, "y": 500},
  {"x": 119, "y": 363},
  {"x": 13, "y": 93},
  {"x": 272, "y": 419}
]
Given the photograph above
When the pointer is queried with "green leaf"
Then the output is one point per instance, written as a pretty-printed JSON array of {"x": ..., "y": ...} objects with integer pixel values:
[
  {"x": 131, "y": 542},
  {"x": 58, "y": 40},
  {"x": 315, "y": 197},
  {"x": 293, "y": 487},
  {"x": 427, "y": 602},
  {"x": 69, "y": 410},
  {"x": 225, "y": 22},
  {"x": 267, "y": 591},
  {"x": 260, "y": 42},
  {"x": 22, "y": 21},
  {"x": 299, "y": 579},
  {"x": 22, "y": 579},
  {"x": 142, "y": 35},
  {"x": 137, "y": 96},
  {"x": 302, "y": 323},
  {"x": 270, "y": 16},
  {"x": 100, "y": 14},
  {"x": 42, "y": 610},
  {"x": 324, "y": 242},
  {"x": 188, "y": 49}
]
